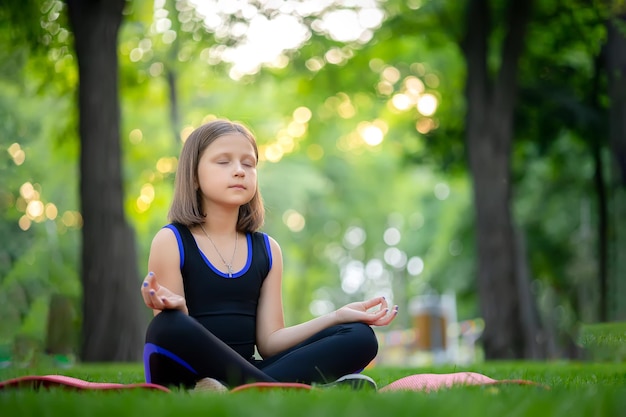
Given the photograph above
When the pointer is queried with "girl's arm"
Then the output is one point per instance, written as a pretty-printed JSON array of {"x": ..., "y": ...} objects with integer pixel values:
[
  {"x": 272, "y": 335},
  {"x": 162, "y": 289}
]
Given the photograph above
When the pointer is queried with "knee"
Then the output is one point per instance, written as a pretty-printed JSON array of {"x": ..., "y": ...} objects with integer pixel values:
[
  {"x": 365, "y": 339},
  {"x": 167, "y": 325}
]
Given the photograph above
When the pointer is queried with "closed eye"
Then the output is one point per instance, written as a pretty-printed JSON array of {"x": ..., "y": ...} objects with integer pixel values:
[{"x": 248, "y": 163}]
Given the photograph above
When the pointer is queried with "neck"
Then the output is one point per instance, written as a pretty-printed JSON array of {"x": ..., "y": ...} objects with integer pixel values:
[{"x": 221, "y": 223}]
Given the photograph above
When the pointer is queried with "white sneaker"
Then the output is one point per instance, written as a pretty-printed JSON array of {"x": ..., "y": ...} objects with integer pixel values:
[
  {"x": 354, "y": 381},
  {"x": 209, "y": 385}
]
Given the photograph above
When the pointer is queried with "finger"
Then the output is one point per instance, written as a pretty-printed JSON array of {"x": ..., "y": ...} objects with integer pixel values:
[
  {"x": 375, "y": 317},
  {"x": 156, "y": 301},
  {"x": 146, "y": 300},
  {"x": 152, "y": 281},
  {"x": 145, "y": 293},
  {"x": 383, "y": 317},
  {"x": 385, "y": 320},
  {"x": 374, "y": 302},
  {"x": 149, "y": 283},
  {"x": 173, "y": 303}
]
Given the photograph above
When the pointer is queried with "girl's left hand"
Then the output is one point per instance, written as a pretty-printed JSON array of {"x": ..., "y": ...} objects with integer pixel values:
[{"x": 359, "y": 312}]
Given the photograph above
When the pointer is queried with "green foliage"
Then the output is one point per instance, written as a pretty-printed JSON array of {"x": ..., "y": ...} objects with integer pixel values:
[
  {"x": 19, "y": 23},
  {"x": 40, "y": 257}
]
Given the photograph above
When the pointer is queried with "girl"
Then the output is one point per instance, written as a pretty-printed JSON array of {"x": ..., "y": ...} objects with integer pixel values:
[{"x": 215, "y": 284}]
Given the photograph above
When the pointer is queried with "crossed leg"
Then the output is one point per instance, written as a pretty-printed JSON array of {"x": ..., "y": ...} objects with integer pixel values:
[{"x": 179, "y": 351}]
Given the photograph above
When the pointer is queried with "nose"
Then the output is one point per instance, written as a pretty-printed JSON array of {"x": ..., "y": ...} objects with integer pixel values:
[{"x": 239, "y": 171}]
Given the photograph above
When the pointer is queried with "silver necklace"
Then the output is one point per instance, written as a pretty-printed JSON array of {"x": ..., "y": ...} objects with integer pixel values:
[{"x": 228, "y": 265}]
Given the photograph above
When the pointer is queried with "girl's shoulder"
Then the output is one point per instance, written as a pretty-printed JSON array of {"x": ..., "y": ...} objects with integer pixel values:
[
  {"x": 165, "y": 245},
  {"x": 170, "y": 229},
  {"x": 170, "y": 234}
]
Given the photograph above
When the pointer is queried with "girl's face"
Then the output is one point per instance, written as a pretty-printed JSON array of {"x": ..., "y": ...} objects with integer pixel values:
[{"x": 227, "y": 171}]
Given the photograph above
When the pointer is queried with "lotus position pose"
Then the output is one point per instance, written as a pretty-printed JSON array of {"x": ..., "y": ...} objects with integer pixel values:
[{"x": 215, "y": 284}]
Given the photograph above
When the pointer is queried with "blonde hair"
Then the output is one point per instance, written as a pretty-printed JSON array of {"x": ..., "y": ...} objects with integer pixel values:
[{"x": 187, "y": 202}]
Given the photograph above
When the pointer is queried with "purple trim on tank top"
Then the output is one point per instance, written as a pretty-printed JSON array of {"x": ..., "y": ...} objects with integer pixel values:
[
  {"x": 180, "y": 243},
  {"x": 266, "y": 239}
]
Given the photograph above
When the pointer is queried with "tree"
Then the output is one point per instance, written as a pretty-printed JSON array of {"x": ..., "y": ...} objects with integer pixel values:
[
  {"x": 616, "y": 70},
  {"x": 489, "y": 133},
  {"x": 616, "y": 63},
  {"x": 112, "y": 327}
]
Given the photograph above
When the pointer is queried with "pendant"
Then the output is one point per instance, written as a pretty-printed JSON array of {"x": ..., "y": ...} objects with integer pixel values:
[{"x": 230, "y": 271}]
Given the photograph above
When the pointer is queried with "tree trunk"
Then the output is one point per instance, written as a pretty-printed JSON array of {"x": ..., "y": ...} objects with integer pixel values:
[
  {"x": 602, "y": 228},
  {"x": 616, "y": 64},
  {"x": 171, "y": 72},
  {"x": 112, "y": 328},
  {"x": 489, "y": 135},
  {"x": 616, "y": 67},
  {"x": 534, "y": 334}
]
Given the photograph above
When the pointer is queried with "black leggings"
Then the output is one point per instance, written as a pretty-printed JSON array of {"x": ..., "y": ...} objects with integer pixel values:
[{"x": 179, "y": 351}]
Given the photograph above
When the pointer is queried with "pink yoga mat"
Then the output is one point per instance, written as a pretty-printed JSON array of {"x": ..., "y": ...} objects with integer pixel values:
[
  {"x": 433, "y": 382},
  {"x": 47, "y": 381},
  {"x": 417, "y": 382}
]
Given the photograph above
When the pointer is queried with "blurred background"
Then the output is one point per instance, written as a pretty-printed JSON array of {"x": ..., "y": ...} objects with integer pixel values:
[{"x": 466, "y": 159}]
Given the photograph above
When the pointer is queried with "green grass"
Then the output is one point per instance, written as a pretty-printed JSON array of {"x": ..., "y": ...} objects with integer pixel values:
[
  {"x": 604, "y": 341},
  {"x": 576, "y": 389}
]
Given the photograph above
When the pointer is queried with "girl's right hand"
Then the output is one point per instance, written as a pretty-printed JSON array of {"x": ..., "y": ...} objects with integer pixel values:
[{"x": 158, "y": 297}]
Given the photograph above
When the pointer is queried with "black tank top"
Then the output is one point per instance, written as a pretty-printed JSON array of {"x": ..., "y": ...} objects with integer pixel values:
[{"x": 225, "y": 306}]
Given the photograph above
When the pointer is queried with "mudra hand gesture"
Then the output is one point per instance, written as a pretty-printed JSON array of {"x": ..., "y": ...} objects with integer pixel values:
[
  {"x": 360, "y": 312},
  {"x": 158, "y": 297}
]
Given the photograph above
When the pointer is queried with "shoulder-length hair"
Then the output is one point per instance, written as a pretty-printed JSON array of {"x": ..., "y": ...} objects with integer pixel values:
[{"x": 186, "y": 206}]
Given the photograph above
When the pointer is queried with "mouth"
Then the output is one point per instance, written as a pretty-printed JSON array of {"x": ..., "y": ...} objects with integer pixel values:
[{"x": 238, "y": 186}]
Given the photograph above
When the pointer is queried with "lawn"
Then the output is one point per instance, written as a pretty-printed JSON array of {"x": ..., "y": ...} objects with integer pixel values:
[{"x": 575, "y": 389}]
